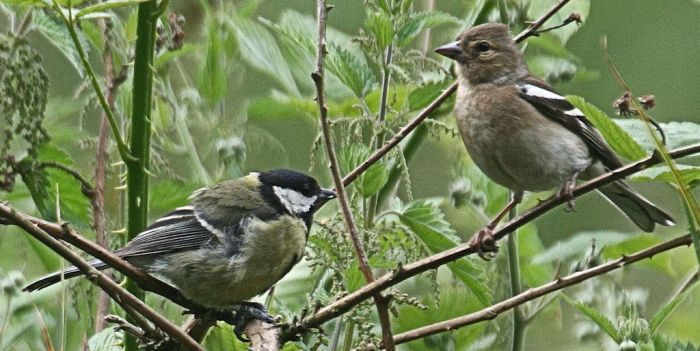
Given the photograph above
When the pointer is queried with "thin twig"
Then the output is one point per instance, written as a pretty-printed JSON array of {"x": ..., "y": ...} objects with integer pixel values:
[
  {"x": 406, "y": 130},
  {"x": 318, "y": 77},
  {"x": 409, "y": 270},
  {"x": 121, "y": 144},
  {"x": 493, "y": 311},
  {"x": 118, "y": 294}
]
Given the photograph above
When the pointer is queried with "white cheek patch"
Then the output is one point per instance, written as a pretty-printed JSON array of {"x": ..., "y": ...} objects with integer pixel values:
[{"x": 293, "y": 200}]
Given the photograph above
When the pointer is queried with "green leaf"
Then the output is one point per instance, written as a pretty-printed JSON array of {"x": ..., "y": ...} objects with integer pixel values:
[
  {"x": 618, "y": 139},
  {"x": 45, "y": 184},
  {"x": 417, "y": 22},
  {"x": 107, "y": 5},
  {"x": 373, "y": 179},
  {"x": 578, "y": 244},
  {"x": 530, "y": 245},
  {"x": 379, "y": 23},
  {"x": 427, "y": 222},
  {"x": 422, "y": 96},
  {"x": 581, "y": 7},
  {"x": 596, "y": 316},
  {"x": 661, "y": 315},
  {"x": 213, "y": 78},
  {"x": 106, "y": 340},
  {"x": 260, "y": 50},
  {"x": 691, "y": 174},
  {"x": 171, "y": 55},
  {"x": 58, "y": 35},
  {"x": 221, "y": 338},
  {"x": 678, "y": 134},
  {"x": 351, "y": 70}
]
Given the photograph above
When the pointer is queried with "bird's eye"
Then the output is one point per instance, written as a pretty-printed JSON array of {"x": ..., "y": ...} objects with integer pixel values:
[{"x": 483, "y": 46}]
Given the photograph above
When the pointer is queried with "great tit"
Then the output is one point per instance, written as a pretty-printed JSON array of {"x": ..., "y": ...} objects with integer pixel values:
[{"x": 234, "y": 241}]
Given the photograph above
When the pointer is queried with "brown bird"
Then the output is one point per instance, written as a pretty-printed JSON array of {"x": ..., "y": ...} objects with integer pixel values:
[{"x": 525, "y": 136}]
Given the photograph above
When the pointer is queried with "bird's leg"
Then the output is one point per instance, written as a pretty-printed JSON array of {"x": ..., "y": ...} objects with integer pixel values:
[
  {"x": 483, "y": 241},
  {"x": 567, "y": 192},
  {"x": 245, "y": 312}
]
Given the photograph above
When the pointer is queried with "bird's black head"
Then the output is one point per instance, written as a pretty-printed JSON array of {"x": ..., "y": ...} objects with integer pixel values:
[{"x": 292, "y": 192}]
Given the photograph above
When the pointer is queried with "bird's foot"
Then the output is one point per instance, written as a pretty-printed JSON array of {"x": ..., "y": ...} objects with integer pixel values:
[
  {"x": 245, "y": 312},
  {"x": 567, "y": 192},
  {"x": 484, "y": 244}
]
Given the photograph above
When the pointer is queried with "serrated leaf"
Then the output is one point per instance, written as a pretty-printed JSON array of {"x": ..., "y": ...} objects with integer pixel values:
[
  {"x": 616, "y": 137},
  {"x": 427, "y": 222},
  {"x": 581, "y": 7},
  {"x": 58, "y": 35},
  {"x": 106, "y": 5},
  {"x": 213, "y": 78},
  {"x": 260, "y": 50},
  {"x": 222, "y": 338},
  {"x": 44, "y": 183},
  {"x": 661, "y": 315},
  {"x": 109, "y": 339},
  {"x": 422, "y": 96},
  {"x": 596, "y": 316},
  {"x": 379, "y": 24},
  {"x": 351, "y": 70},
  {"x": 417, "y": 22},
  {"x": 691, "y": 174}
]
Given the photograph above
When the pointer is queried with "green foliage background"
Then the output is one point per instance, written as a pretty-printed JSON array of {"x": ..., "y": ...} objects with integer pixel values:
[{"x": 237, "y": 97}]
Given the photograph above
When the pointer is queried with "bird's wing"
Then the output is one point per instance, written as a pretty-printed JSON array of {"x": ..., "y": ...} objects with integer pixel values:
[
  {"x": 179, "y": 230},
  {"x": 554, "y": 106}
]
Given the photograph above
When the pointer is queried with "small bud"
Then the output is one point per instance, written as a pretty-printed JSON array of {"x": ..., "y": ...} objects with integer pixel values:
[
  {"x": 648, "y": 101},
  {"x": 623, "y": 106},
  {"x": 575, "y": 17}
]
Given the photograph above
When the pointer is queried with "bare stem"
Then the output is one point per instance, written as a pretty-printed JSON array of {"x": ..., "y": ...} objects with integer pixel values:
[{"x": 318, "y": 78}]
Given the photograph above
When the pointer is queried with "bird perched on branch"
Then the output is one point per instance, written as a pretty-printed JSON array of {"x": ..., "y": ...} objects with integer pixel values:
[
  {"x": 234, "y": 241},
  {"x": 524, "y": 135}
]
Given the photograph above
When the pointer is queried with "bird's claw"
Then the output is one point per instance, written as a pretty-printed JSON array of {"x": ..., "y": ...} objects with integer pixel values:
[
  {"x": 567, "y": 192},
  {"x": 245, "y": 312},
  {"x": 484, "y": 244}
]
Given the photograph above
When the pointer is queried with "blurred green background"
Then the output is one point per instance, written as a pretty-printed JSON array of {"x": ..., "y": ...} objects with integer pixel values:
[{"x": 654, "y": 44}]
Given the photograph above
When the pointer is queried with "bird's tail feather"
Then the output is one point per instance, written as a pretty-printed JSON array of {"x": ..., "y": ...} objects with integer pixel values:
[
  {"x": 640, "y": 210},
  {"x": 54, "y": 278}
]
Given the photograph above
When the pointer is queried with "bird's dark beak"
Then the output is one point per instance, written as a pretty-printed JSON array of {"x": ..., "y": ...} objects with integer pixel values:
[
  {"x": 451, "y": 50},
  {"x": 323, "y": 197}
]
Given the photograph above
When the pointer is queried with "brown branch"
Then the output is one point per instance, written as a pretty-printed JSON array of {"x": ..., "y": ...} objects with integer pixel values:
[
  {"x": 318, "y": 77},
  {"x": 67, "y": 234},
  {"x": 99, "y": 221},
  {"x": 407, "y": 271},
  {"x": 118, "y": 294},
  {"x": 263, "y": 336},
  {"x": 534, "y": 26},
  {"x": 413, "y": 124},
  {"x": 493, "y": 311}
]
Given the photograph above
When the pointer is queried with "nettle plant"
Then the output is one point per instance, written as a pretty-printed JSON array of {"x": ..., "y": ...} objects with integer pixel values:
[{"x": 192, "y": 81}]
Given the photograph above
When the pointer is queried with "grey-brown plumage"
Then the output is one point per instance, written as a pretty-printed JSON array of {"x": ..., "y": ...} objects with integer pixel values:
[
  {"x": 525, "y": 136},
  {"x": 235, "y": 240}
]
